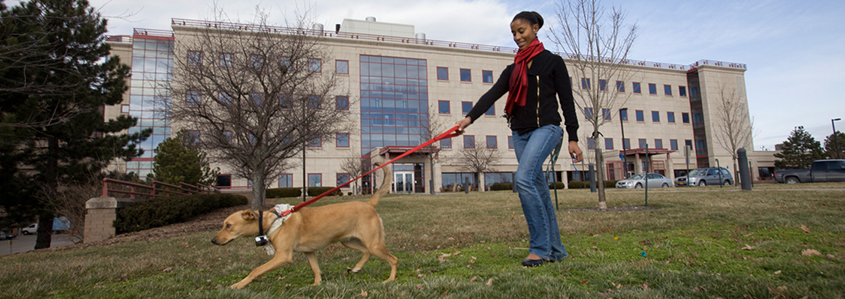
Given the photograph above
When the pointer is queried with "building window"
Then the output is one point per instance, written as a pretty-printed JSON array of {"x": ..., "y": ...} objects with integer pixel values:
[
  {"x": 466, "y": 107},
  {"x": 588, "y": 113},
  {"x": 652, "y": 88},
  {"x": 591, "y": 143},
  {"x": 194, "y": 58},
  {"x": 446, "y": 143},
  {"x": 285, "y": 101},
  {"x": 315, "y": 65},
  {"x": 193, "y": 137},
  {"x": 673, "y": 144},
  {"x": 257, "y": 61},
  {"x": 491, "y": 111},
  {"x": 487, "y": 76},
  {"x": 443, "y": 107},
  {"x": 342, "y": 140},
  {"x": 342, "y": 178},
  {"x": 224, "y": 98},
  {"x": 667, "y": 89},
  {"x": 257, "y": 98},
  {"x": 655, "y": 116},
  {"x": 286, "y": 180},
  {"x": 285, "y": 62},
  {"x": 492, "y": 142},
  {"x": 315, "y": 180},
  {"x": 620, "y": 86},
  {"x": 682, "y": 91},
  {"x": 227, "y": 60},
  {"x": 608, "y": 143},
  {"x": 315, "y": 102},
  {"x": 510, "y": 142},
  {"x": 623, "y": 114},
  {"x": 341, "y": 66},
  {"x": 688, "y": 143},
  {"x": 228, "y": 135},
  {"x": 469, "y": 141},
  {"x": 315, "y": 142},
  {"x": 658, "y": 143},
  {"x": 193, "y": 98},
  {"x": 670, "y": 117},
  {"x": 124, "y": 108},
  {"x": 685, "y": 117},
  {"x": 442, "y": 73},
  {"x": 643, "y": 143},
  {"x": 466, "y": 75},
  {"x": 605, "y": 113},
  {"x": 626, "y": 143},
  {"x": 341, "y": 103},
  {"x": 636, "y": 86},
  {"x": 603, "y": 85},
  {"x": 640, "y": 115},
  {"x": 585, "y": 83}
]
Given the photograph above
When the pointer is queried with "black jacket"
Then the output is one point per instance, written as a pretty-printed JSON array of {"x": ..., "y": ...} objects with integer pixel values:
[{"x": 549, "y": 73}]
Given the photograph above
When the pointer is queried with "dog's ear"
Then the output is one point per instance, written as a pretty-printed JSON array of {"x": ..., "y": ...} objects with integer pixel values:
[{"x": 248, "y": 215}]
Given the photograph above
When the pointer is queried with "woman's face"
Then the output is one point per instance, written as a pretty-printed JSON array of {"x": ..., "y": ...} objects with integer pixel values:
[{"x": 523, "y": 32}]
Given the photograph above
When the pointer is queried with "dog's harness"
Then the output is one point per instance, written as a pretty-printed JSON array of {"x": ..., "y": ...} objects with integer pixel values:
[{"x": 282, "y": 213}]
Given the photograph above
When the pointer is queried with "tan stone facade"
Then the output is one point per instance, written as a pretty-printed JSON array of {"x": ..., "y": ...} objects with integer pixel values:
[{"x": 664, "y": 101}]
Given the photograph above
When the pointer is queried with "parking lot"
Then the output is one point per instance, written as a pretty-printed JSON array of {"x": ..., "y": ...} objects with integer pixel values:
[{"x": 27, "y": 242}]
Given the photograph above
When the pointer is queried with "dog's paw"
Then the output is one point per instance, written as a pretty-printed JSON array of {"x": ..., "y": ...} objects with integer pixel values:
[{"x": 237, "y": 286}]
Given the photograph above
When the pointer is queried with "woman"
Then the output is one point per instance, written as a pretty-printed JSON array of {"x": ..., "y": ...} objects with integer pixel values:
[{"x": 532, "y": 83}]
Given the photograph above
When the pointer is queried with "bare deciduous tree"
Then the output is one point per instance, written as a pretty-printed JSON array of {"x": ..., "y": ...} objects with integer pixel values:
[
  {"x": 478, "y": 159},
  {"x": 734, "y": 126},
  {"x": 598, "y": 41},
  {"x": 435, "y": 126},
  {"x": 353, "y": 165},
  {"x": 255, "y": 95}
]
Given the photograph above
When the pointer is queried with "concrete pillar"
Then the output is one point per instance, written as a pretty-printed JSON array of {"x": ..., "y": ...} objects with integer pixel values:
[
  {"x": 100, "y": 217},
  {"x": 638, "y": 164},
  {"x": 670, "y": 168}
]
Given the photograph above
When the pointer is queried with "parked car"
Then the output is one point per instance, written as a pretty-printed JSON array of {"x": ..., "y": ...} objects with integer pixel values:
[
  {"x": 5, "y": 236},
  {"x": 706, "y": 176},
  {"x": 637, "y": 181},
  {"x": 820, "y": 171},
  {"x": 31, "y": 229}
]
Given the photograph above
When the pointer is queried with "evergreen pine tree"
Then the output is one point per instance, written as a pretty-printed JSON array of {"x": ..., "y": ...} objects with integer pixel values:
[
  {"x": 832, "y": 145},
  {"x": 799, "y": 150},
  {"x": 56, "y": 92},
  {"x": 178, "y": 161}
]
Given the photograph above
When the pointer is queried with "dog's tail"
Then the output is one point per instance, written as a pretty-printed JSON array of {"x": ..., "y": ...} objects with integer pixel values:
[{"x": 385, "y": 185}]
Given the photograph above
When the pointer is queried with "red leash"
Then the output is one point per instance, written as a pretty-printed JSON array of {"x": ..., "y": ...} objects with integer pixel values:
[{"x": 448, "y": 134}]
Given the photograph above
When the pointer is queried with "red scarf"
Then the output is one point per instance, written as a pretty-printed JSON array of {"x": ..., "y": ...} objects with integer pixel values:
[{"x": 519, "y": 77}]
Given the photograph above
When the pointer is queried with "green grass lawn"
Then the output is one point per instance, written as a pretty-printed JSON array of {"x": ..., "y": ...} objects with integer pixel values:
[{"x": 699, "y": 243}]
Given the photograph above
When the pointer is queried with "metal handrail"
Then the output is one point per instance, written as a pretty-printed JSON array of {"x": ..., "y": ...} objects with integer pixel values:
[{"x": 153, "y": 189}]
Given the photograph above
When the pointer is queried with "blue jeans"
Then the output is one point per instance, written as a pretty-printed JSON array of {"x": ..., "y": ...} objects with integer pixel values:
[{"x": 532, "y": 148}]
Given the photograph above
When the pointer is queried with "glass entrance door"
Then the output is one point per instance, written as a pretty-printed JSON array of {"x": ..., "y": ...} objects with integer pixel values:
[{"x": 403, "y": 182}]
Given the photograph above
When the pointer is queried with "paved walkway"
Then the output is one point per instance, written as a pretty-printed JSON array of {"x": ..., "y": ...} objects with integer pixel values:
[{"x": 27, "y": 242}]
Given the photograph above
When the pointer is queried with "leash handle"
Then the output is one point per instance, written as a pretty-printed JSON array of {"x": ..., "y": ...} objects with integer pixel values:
[{"x": 448, "y": 134}]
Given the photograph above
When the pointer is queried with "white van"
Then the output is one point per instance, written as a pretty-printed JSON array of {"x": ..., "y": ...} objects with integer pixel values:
[{"x": 32, "y": 229}]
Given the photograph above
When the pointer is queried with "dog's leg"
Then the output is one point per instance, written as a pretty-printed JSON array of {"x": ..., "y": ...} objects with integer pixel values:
[
  {"x": 281, "y": 259},
  {"x": 380, "y": 251},
  {"x": 358, "y": 245},
  {"x": 312, "y": 259}
]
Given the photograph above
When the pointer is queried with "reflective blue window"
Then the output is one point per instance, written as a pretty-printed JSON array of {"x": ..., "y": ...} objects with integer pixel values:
[
  {"x": 466, "y": 75},
  {"x": 487, "y": 76},
  {"x": 442, "y": 73},
  {"x": 623, "y": 114},
  {"x": 466, "y": 107},
  {"x": 443, "y": 107},
  {"x": 640, "y": 116},
  {"x": 655, "y": 116},
  {"x": 636, "y": 86},
  {"x": 667, "y": 89},
  {"x": 652, "y": 88}
]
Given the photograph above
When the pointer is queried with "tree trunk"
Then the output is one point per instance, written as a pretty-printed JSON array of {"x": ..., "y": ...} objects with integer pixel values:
[
  {"x": 258, "y": 195},
  {"x": 431, "y": 165},
  {"x": 600, "y": 177},
  {"x": 45, "y": 218},
  {"x": 481, "y": 182},
  {"x": 45, "y": 230}
]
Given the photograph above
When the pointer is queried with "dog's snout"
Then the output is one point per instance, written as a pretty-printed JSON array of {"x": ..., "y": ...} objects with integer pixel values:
[{"x": 214, "y": 241}]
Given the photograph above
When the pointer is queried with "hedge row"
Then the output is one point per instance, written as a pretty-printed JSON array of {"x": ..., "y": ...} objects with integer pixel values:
[
  {"x": 314, "y": 191},
  {"x": 283, "y": 192},
  {"x": 169, "y": 210},
  {"x": 501, "y": 186},
  {"x": 579, "y": 184}
]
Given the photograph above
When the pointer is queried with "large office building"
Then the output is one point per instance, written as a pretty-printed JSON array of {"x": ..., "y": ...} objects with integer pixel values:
[{"x": 397, "y": 81}]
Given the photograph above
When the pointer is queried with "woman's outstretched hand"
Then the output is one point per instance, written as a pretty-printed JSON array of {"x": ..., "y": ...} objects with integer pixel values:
[
  {"x": 575, "y": 152},
  {"x": 462, "y": 124}
]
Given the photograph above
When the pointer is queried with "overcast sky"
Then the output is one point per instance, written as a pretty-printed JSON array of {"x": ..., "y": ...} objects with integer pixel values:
[{"x": 793, "y": 49}]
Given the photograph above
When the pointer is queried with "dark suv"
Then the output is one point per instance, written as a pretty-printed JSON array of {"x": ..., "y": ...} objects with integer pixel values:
[{"x": 706, "y": 176}]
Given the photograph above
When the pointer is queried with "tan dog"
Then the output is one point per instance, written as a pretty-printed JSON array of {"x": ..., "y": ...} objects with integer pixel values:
[{"x": 354, "y": 224}]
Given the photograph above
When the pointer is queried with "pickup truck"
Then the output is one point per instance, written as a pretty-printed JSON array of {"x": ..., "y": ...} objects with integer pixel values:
[{"x": 820, "y": 171}]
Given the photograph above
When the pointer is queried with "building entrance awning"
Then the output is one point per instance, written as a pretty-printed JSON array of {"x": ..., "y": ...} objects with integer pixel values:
[
  {"x": 651, "y": 151},
  {"x": 397, "y": 149}
]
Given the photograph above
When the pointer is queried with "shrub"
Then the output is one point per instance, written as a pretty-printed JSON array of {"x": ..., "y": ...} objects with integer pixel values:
[
  {"x": 610, "y": 184},
  {"x": 577, "y": 184},
  {"x": 169, "y": 210},
  {"x": 283, "y": 192},
  {"x": 501, "y": 186},
  {"x": 349, "y": 193},
  {"x": 560, "y": 185},
  {"x": 314, "y": 191}
]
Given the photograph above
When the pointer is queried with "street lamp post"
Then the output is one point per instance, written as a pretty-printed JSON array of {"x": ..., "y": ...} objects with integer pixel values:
[
  {"x": 835, "y": 143},
  {"x": 624, "y": 153}
]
